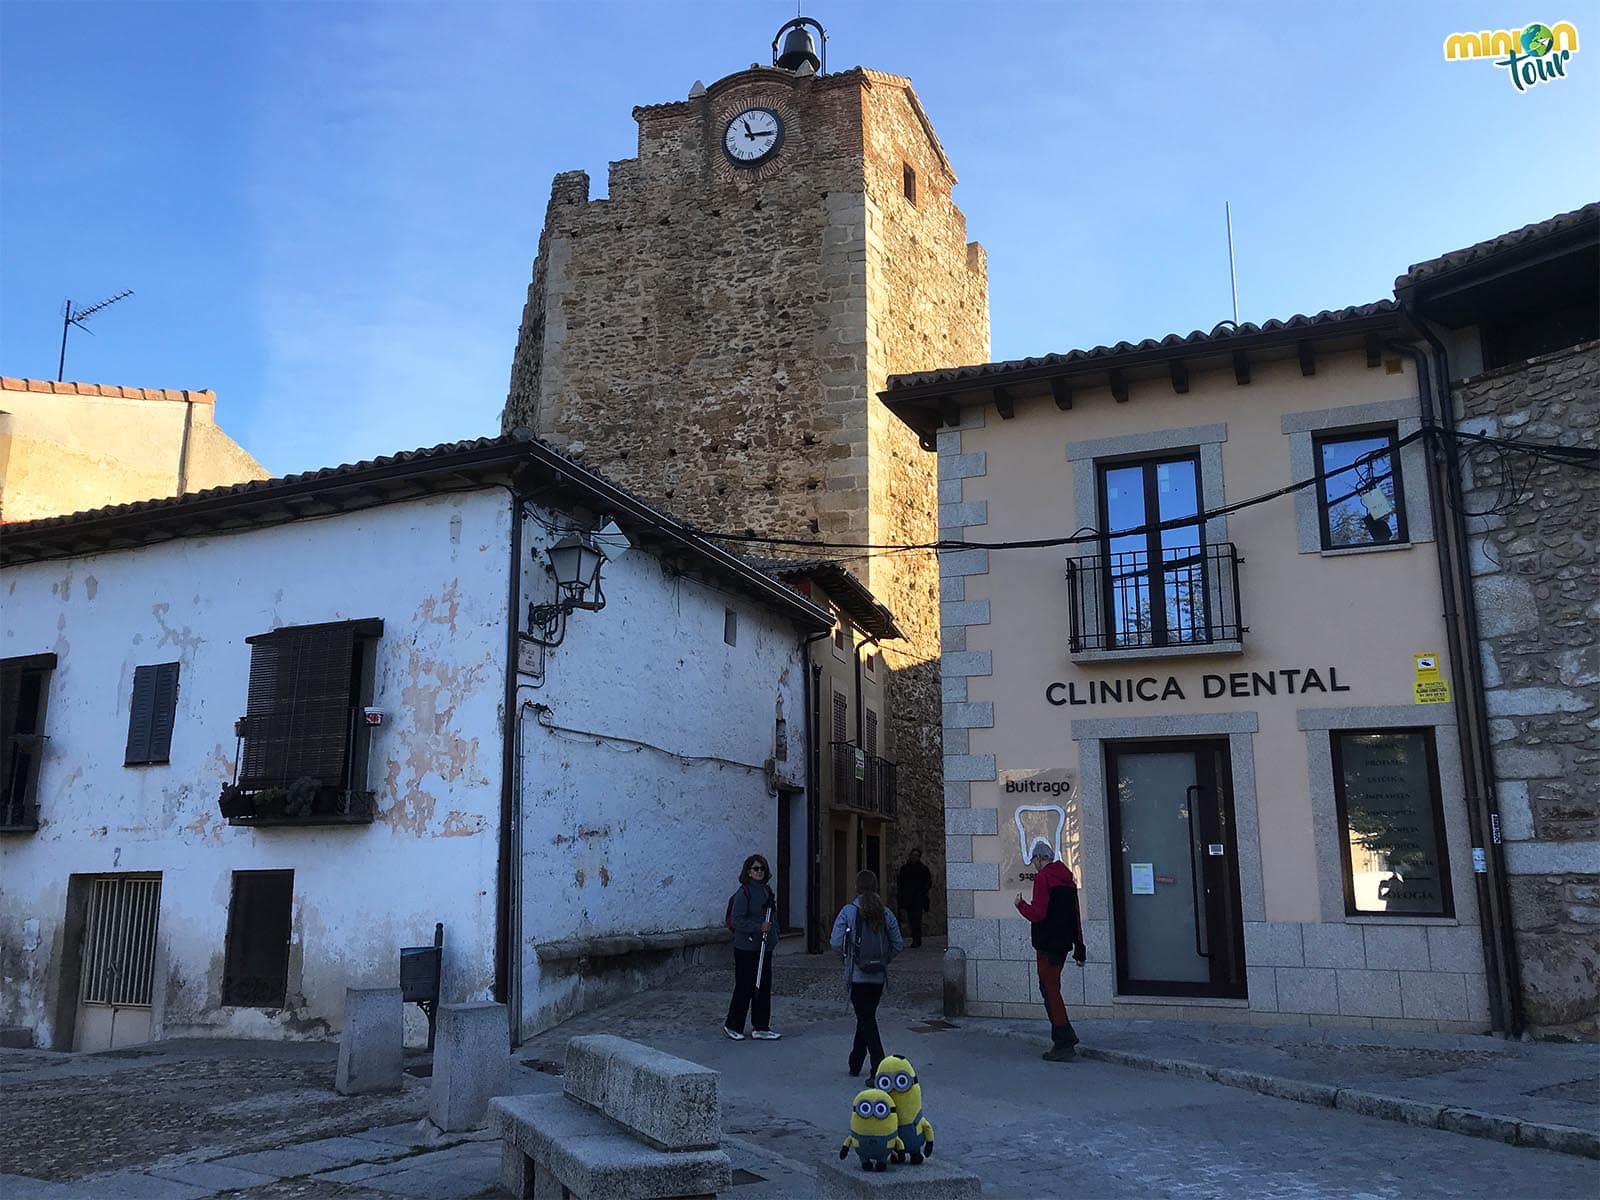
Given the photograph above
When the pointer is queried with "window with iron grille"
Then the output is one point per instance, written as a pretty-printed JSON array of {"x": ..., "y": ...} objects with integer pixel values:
[
  {"x": 151, "y": 713},
  {"x": 302, "y": 739},
  {"x": 24, "y": 690},
  {"x": 256, "y": 963}
]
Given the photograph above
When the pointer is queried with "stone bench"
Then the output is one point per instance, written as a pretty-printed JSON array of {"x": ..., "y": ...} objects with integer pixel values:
[{"x": 632, "y": 1123}]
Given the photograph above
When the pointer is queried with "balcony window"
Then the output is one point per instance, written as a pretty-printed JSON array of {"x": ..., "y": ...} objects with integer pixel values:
[
  {"x": 1360, "y": 501},
  {"x": 1154, "y": 580},
  {"x": 303, "y": 742}
]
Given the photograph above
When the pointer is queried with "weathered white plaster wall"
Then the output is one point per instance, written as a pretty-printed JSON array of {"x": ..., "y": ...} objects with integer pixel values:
[
  {"x": 435, "y": 571},
  {"x": 640, "y": 820}
]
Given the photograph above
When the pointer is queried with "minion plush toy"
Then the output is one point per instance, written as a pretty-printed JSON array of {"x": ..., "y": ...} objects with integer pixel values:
[
  {"x": 872, "y": 1130},
  {"x": 897, "y": 1077}
]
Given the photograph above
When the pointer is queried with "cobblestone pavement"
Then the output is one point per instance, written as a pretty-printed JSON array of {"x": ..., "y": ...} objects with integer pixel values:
[{"x": 260, "y": 1121}]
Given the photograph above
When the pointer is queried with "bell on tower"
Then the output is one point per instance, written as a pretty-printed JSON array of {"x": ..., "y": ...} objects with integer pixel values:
[{"x": 798, "y": 48}]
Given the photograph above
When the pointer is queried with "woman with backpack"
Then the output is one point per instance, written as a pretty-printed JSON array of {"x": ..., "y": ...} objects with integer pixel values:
[
  {"x": 869, "y": 937},
  {"x": 749, "y": 915}
]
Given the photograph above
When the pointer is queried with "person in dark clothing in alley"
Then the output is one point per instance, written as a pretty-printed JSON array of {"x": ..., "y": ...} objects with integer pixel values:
[
  {"x": 913, "y": 885},
  {"x": 755, "y": 935},
  {"x": 1057, "y": 932}
]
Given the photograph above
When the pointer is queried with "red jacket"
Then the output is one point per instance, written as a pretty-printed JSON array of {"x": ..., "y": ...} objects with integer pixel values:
[{"x": 1055, "y": 875}]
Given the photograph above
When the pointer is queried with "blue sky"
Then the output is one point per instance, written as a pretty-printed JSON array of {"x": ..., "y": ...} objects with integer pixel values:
[{"x": 329, "y": 211}]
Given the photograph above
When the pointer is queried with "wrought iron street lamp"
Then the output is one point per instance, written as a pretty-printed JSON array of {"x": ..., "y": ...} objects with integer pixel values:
[{"x": 575, "y": 562}]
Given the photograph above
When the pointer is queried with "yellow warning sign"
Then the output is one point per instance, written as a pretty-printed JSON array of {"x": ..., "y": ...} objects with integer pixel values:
[{"x": 1430, "y": 686}]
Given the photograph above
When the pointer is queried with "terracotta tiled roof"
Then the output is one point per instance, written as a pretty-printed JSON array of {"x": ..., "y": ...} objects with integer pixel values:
[
  {"x": 409, "y": 474},
  {"x": 11, "y": 384},
  {"x": 1517, "y": 239},
  {"x": 1218, "y": 339},
  {"x": 845, "y": 589}
]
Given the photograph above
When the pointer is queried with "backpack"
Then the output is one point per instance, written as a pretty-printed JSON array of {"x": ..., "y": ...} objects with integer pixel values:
[
  {"x": 869, "y": 947},
  {"x": 727, "y": 917}
]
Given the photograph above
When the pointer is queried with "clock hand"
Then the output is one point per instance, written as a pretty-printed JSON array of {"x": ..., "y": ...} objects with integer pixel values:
[{"x": 747, "y": 132}]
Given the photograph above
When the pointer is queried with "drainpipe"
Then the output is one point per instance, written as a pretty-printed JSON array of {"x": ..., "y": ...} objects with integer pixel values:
[
  {"x": 508, "y": 800},
  {"x": 1472, "y": 712},
  {"x": 813, "y": 802},
  {"x": 861, "y": 748}
]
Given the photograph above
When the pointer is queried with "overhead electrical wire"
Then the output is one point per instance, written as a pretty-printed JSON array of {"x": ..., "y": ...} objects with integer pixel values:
[
  {"x": 1582, "y": 458},
  {"x": 1579, "y": 457}
]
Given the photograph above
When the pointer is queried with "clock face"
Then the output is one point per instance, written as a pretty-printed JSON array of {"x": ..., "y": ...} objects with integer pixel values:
[{"x": 753, "y": 136}]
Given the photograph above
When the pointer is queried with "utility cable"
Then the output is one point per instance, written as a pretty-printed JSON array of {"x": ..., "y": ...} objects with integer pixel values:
[{"x": 542, "y": 714}]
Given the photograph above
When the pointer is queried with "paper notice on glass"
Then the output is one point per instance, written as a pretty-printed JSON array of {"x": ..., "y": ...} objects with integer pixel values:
[{"x": 1144, "y": 879}]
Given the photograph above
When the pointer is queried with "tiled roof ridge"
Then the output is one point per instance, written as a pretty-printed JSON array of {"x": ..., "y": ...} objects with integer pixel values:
[
  {"x": 1467, "y": 255},
  {"x": 11, "y": 383},
  {"x": 1221, "y": 332}
]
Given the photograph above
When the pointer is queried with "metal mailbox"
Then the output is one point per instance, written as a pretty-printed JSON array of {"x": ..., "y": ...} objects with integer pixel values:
[{"x": 420, "y": 968}]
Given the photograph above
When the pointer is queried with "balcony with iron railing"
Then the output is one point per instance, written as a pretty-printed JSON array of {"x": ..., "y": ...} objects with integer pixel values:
[
  {"x": 1123, "y": 605},
  {"x": 295, "y": 767},
  {"x": 863, "y": 782}
]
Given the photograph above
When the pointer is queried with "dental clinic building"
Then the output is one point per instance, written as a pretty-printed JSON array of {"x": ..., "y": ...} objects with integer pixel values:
[{"x": 1238, "y": 727}]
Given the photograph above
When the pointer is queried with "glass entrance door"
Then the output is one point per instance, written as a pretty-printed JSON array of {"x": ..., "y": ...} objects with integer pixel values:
[{"x": 1174, "y": 856}]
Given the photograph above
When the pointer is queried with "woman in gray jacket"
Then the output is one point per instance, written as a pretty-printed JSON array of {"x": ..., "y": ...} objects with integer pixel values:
[
  {"x": 754, "y": 936},
  {"x": 866, "y": 932}
]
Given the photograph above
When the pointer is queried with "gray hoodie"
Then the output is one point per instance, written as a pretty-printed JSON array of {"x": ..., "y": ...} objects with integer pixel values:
[{"x": 750, "y": 908}]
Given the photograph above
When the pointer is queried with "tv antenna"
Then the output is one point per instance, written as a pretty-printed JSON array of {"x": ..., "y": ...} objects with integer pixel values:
[
  {"x": 70, "y": 318},
  {"x": 1233, "y": 274}
]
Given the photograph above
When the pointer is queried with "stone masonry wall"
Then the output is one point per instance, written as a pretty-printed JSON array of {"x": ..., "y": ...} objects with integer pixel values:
[
  {"x": 714, "y": 340},
  {"x": 1537, "y": 584},
  {"x": 928, "y": 307}
]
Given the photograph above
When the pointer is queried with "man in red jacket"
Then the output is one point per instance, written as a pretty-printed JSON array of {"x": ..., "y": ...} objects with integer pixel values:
[{"x": 1057, "y": 932}]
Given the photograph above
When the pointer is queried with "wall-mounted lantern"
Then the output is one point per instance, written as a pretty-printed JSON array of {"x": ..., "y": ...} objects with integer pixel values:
[{"x": 575, "y": 562}]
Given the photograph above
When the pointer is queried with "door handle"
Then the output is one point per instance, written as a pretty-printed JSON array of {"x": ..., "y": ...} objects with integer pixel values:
[{"x": 1195, "y": 867}]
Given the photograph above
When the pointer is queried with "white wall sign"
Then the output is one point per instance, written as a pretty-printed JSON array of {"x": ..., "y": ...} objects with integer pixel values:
[{"x": 1036, "y": 805}]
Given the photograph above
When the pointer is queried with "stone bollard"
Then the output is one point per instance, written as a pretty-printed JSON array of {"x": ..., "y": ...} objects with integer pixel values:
[
  {"x": 372, "y": 1045},
  {"x": 471, "y": 1064},
  {"x": 935, "y": 1179},
  {"x": 955, "y": 982}
]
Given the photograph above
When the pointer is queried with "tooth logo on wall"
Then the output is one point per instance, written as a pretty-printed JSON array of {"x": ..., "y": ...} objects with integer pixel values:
[{"x": 1039, "y": 804}]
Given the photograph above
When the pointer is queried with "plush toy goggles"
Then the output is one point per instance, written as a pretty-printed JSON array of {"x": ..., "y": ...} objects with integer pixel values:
[
  {"x": 896, "y": 1083},
  {"x": 869, "y": 1108}
]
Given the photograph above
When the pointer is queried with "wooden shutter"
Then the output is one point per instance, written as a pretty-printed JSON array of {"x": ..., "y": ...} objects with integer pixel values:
[
  {"x": 301, "y": 697},
  {"x": 872, "y": 733},
  {"x": 165, "y": 714},
  {"x": 151, "y": 714}
]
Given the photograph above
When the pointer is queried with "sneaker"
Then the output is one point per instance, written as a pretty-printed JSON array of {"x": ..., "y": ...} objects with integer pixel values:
[
  {"x": 765, "y": 1035},
  {"x": 1060, "y": 1054},
  {"x": 734, "y": 1034}
]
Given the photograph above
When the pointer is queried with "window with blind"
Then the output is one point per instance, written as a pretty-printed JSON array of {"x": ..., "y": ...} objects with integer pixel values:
[
  {"x": 151, "y": 714},
  {"x": 303, "y": 742},
  {"x": 24, "y": 688}
]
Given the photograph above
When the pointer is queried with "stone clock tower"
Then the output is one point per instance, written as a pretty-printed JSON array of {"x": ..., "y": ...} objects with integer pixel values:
[{"x": 713, "y": 335}]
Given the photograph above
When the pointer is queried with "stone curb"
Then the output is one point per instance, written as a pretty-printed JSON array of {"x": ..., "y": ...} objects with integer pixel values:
[{"x": 1563, "y": 1139}]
